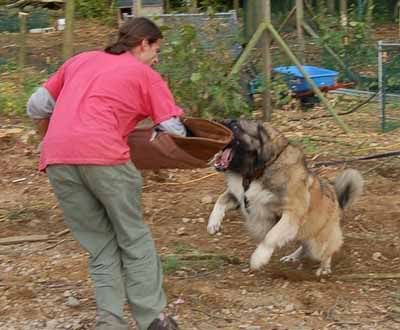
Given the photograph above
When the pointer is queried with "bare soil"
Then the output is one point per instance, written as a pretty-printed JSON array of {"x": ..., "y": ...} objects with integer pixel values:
[{"x": 207, "y": 278}]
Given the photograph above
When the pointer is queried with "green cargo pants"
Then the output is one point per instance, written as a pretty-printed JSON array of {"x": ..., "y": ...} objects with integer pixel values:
[{"x": 102, "y": 207}]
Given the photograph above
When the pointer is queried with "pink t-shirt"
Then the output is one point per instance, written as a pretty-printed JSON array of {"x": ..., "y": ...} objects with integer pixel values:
[{"x": 99, "y": 100}]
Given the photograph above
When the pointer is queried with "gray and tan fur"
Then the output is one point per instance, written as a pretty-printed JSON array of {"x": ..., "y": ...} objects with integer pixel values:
[{"x": 284, "y": 201}]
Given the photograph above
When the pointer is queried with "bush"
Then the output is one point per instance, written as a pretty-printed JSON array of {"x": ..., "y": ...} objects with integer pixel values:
[
  {"x": 197, "y": 65},
  {"x": 13, "y": 95}
]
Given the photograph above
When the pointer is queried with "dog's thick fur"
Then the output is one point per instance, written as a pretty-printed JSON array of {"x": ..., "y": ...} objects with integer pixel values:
[{"x": 280, "y": 198}]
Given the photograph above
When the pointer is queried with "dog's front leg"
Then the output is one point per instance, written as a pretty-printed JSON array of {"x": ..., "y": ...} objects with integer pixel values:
[
  {"x": 225, "y": 202},
  {"x": 284, "y": 231}
]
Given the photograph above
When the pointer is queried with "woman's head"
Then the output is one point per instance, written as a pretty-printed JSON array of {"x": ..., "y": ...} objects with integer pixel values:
[{"x": 140, "y": 36}]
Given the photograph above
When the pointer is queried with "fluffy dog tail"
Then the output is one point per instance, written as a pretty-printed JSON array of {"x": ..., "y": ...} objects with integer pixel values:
[{"x": 348, "y": 187}]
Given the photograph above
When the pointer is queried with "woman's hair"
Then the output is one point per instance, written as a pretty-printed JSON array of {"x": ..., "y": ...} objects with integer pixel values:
[{"x": 132, "y": 33}]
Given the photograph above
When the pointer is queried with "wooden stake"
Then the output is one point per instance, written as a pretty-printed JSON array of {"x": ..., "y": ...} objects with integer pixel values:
[
  {"x": 68, "y": 43},
  {"x": 22, "y": 40},
  {"x": 312, "y": 33},
  {"x": 267, "y": 100},
  {"x": 299, "y": 24},
  {"x": 250, "y": 45}
]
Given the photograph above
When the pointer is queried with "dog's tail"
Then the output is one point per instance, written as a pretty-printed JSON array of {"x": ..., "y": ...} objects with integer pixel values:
[{"x": 348, "y": 187}]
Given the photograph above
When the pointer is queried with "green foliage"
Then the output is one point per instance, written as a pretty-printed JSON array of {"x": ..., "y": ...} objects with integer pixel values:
[
  {"x": 197, "y": 65},
  {"x": 171, "y": 264},
  {"x": 14, "y": 96},
  {"x": 354, "y": 45},
  {"x": 97, "y": 9},
  {"x": 9, "y": 21}
]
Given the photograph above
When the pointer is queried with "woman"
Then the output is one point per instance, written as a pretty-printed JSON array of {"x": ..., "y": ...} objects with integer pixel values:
[{"x": 85, "y": 112}]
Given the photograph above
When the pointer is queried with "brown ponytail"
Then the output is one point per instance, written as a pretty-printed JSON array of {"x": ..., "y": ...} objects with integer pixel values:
[{"x": 132, "y": 33}]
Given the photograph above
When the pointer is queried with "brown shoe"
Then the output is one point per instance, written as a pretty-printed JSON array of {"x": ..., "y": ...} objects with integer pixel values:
[{"x": 163, "y": 322}]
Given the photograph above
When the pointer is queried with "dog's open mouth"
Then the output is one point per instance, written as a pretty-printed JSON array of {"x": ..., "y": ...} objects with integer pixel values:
[{"x": 223, "y": 159}]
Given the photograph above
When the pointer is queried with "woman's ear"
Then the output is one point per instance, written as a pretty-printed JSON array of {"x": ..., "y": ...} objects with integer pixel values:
[{"x": 144, "y": 44}]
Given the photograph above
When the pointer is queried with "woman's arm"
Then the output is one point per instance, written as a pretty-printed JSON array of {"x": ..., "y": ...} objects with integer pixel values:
[{"x": 40, "y": 107}]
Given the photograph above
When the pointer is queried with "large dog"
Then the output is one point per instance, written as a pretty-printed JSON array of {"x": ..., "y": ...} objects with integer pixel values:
[{"x": 267, "y": 177}]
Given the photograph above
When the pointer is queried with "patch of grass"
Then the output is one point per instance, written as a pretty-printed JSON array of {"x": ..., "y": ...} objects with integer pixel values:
[
  {"x": 391, "y": 125},
  {"x": 171, "y": 264},
  {"x": 182, "y": 248},
  {"x": 14, "y": 95},
  {"x": 307, "y": 144}
]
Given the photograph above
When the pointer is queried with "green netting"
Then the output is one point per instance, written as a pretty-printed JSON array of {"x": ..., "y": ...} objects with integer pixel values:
[{"x": 9, "y": 21}]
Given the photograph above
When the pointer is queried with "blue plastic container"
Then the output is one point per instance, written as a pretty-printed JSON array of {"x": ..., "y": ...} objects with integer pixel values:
[{"x": 295, "y": 79}]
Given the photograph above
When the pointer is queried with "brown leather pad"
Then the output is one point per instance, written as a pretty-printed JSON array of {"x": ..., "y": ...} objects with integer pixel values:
[{"x": 172, "y": 151}]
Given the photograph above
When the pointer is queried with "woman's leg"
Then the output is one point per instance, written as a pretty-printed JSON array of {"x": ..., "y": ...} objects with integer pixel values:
[
  {"x": 119, "y": 189},
  {"x": 91, "y": 226}
]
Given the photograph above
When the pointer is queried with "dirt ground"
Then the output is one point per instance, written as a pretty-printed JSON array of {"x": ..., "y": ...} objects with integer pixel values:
[{"x": 45, "y": 284}]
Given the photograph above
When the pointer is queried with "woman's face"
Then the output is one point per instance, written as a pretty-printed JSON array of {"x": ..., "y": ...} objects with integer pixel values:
[{"x": 148, "y": 53}]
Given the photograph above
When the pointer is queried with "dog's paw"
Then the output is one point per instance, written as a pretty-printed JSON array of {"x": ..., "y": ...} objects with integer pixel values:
[
  {"x": 323, "y": 271},
  {"x": 260, "y": 257},
  {"x": 213, "y": 226},
  {"x": 289, "y": 258}
]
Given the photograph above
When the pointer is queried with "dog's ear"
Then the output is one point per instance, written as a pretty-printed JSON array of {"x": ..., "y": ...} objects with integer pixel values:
[
  {"x": 226, "y": 122},
  {"x": 265, "y": 150}
]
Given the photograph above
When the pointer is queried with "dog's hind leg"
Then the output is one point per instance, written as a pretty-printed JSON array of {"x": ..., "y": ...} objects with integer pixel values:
[
  {"x": 284, "y": 231},
  {"x": 325, "y": 267},
  {"x": 323, "y": 250},
  {"x": 225, "y": 202}
]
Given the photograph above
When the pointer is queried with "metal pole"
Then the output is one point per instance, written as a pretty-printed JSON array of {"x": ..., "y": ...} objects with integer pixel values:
[{"x": 380, "y": 84}]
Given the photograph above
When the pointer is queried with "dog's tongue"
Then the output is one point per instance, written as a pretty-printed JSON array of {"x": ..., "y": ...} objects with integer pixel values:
[{"x": 223, "y": 159}]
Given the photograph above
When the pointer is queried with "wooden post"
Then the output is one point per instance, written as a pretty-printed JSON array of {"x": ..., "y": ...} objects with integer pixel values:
[
  {"x": 250, "y": 20},
  {"x": 312, "y": 84},
  {"x": 68, "y": 42},
  {"x": 331, "y": 6},
  {"x": 138, "y": 8},
  {"x": 343, "y": 13},
  {"x": 193, "y": 6},
  {"x": 299, "y": 24},
  {"x": 22, "y": 40},
  {"x": 398, "y": 13},
  {"x": 236, "y": 5},
  {"x": 267, "y": 101}
]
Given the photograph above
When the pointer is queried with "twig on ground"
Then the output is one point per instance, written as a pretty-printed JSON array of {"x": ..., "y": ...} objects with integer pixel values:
[
  {"x": 229, "y": 259},
  {"x": 63, "y": 232},
  {"x": 228, "y": 319},
  {"x": 180, "y": 183},
  {"x": 23, "y": 239},
  {"x": 340, "y": 323},
  {"x": 368, "y": 157},
  {"x": 368, "y": 276}
]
